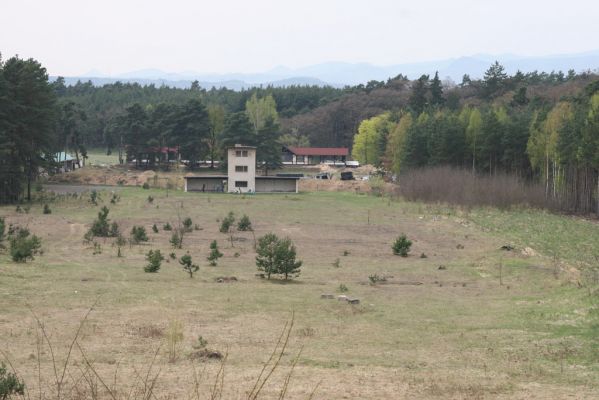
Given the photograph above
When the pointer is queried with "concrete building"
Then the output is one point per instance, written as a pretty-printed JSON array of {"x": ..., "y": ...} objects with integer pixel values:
[
  {"x": 241, "y": 176},
  {"x": 241, "y": 165}
]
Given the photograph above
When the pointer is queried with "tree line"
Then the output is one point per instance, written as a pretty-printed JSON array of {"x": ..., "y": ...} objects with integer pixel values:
[{"x": 508, "y": 132}]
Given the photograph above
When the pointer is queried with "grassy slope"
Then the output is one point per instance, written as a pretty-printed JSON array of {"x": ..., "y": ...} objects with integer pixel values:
[{"x": 460, "y": 334}]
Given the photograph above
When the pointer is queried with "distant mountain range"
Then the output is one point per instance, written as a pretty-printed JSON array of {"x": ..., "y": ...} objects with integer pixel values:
[{"x": 339, "y": 74}]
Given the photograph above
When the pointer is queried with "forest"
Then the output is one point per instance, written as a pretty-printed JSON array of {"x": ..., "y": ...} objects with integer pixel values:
[{"x": 539, "y": 126}]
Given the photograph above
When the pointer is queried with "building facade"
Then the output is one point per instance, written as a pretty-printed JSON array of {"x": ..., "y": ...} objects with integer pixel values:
[{"x": 241, "y": 169}]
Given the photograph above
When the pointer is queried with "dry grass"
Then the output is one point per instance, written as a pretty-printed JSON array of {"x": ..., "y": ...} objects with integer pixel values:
[{"x": 459, "y": 334}]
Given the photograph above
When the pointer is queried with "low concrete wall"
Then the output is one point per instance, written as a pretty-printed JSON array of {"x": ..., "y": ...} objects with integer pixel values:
[{"x": 276, "y": 185}]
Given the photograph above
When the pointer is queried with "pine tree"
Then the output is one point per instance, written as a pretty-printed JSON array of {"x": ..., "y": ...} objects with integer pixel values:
[
  {"x": 215, "y": 253},
  {"x": 188, "y": 266},
  {"x": 437, "y": 91},
  {"x": 418, "y": 100}
]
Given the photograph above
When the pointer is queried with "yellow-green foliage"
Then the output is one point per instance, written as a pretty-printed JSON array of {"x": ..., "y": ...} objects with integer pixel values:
[{"x": 369, "y": 142}]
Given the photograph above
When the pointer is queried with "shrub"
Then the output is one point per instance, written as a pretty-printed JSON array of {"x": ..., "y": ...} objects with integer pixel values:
[
  {"x": 188, "y": 266},
  {"x": 114, "y": 230},
  {"x": 154, "y": 228},
  {"x": 201, "y": 343},
  {"x": 215, "y": 254},
  {"x": 401, "y": 246},
  {"x": 47, "y": 209},
  {"x": 138, "y": 234},
  {"x": 93, "y": 197},
  {"x": 120, "y": 242},
  {"x": 154, "y": 259},
  {"x": 167, "y": 227},
  {"x": 337, "y": 263},
  {"x": 114, "y": 199},
  {"x": 145, "y": 186},
  {"x": 244, "y": 224},
  {"x": 176, "y": 240},
  {"x": 346, "y": 253},
  {"x": 375, "y": 278},
  {"x": 10, "y": 385},
  {"x": 23, "y": 245},
  {"x": 227, "y": 222},
  {"x": 342, "y": 288},
  {"x": 187, "y": 224},
  {"x": 173, "y": 255},
  {"x": 277, "y": 256},
  {"x": 101, "y": 227},
  {"x": 150, "y": 199}
]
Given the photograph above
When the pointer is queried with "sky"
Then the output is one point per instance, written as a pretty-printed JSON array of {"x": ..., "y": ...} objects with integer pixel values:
[{"x": 75, "y": 37}]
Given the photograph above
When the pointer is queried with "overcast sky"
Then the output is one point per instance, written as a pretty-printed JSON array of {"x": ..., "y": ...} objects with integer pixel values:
[{"x": 73, "y": 37}]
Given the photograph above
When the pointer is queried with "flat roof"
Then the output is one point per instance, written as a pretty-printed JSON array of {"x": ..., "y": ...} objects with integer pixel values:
[
  {"x": 221, "y": 177},
  {"x": 279, "y": 177},
  {"x": 319, "y": 151},
  {"x": 206, "y": 177}
]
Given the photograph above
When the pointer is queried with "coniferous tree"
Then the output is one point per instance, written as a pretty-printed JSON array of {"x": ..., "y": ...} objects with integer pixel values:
[
  {"x": 436, "y": 91},
  {"x": 418, "y": 99},
  {"x": 27, "y": 127}
]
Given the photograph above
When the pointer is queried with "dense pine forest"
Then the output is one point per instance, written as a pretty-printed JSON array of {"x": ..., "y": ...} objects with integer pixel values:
[{"x": 541, "y": 127}]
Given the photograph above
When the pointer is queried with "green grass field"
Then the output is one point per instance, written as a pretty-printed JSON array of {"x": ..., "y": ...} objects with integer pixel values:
[{"x": 441, "y": 326}]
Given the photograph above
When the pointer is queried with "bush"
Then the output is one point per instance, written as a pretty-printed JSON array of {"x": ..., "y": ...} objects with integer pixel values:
[
  {"x": 215, "y": 254},
  {"x": 188, "y": 266},
  {"x": 24, "y": 246},
  {"x": 227, "y": 222},
  {"x": 176, "y": 240},
  {"x": 138, "y": 234},
  {"x": 154, "y": 259},
  {"x": 10, "y": 385},
  {"x": 47, "y": 209},
  {"x": 145, "y": 186},
  {"x": 120, "y": 242},
  {"x": 401, "y": 246},
  {"x": 375, "y": 278},
  {"x": 114, "y": 199},
  {"x": 93, "y": 197},
  {"x": 101, "y": 226},
  {"x": 187, "y": 224},
  {"x": 167, "y": 227},
  {"x": 244, "y": 224},
  {"x": 154, "y": 228},
  {"x": 150, "y": 199},
  {"x": 277, "y": 256}
]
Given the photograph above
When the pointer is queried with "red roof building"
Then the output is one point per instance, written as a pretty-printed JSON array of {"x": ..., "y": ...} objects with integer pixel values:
[{"x": 314, "y": 155}]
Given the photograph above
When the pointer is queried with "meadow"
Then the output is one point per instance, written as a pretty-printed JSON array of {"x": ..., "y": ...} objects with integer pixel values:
[{"x": 459, "y": 318}]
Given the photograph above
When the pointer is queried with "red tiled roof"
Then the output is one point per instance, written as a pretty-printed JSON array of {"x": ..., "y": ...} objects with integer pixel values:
[{"x": 319, "y": 151}]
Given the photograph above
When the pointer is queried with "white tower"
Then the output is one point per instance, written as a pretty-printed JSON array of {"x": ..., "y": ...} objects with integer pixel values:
[{"x": 241, "y": 162}]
